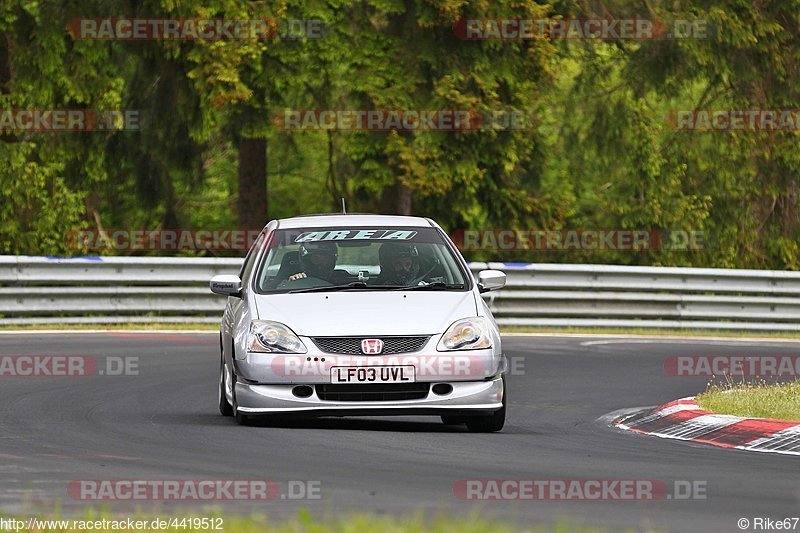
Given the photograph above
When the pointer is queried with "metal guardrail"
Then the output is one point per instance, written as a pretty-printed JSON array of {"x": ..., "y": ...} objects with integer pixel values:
[
  {"x": 40, "y": 290},
  {"x": 94, "y": 290}
]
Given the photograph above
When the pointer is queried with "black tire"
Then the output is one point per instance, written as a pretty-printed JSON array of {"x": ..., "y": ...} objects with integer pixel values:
[
  {"x": 225, "y": 408},
  {"x": 490, "y": 423},
  {"x": 241, "y": 418},
  {"x": 449, "y": 420}
]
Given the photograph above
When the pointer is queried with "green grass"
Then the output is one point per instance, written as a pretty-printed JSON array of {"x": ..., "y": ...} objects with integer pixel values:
[
  {"x": 305, "y": 523},
  {"x": 753, "y": 400}
]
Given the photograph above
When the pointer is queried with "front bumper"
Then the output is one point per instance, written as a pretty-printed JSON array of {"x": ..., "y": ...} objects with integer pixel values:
[
  {"x": 314, "y": 367},
  {"x": 466, "y": 398}
]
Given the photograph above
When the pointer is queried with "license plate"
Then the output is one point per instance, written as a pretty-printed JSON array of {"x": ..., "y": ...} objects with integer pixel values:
[{"x": 373, "y": 374}]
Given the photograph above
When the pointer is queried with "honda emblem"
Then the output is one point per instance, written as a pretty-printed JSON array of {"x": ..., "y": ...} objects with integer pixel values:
[{"x": 371, "y": 346}]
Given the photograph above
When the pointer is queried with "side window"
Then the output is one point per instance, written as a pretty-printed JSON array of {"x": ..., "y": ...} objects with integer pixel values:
[{"x": 250, "y": 259}]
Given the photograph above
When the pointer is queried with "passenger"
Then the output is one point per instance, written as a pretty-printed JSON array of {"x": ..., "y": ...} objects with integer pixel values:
[{"x": 400, "y": 264}]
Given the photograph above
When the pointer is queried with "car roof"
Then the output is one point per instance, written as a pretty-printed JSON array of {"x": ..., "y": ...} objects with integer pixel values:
[{"x": 337, "y": 220}]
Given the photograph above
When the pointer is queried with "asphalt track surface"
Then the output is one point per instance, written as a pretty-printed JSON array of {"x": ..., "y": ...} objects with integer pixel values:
[{"x": 163, "y": 424}]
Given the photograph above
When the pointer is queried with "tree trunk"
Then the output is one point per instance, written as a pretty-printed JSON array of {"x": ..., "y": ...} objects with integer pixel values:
[
  {"x": 7, "y": 136},
  {"x": 252, "y": 203},
  {"x": 403, "y": 206}
]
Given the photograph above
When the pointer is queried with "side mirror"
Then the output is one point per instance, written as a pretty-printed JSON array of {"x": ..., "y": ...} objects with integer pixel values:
[
  {"x": 489, "y": 280},
  {"x": 226, "y": 285}
]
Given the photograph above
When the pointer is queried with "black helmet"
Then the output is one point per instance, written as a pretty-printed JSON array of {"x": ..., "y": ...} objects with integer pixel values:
[
  {"x": 399, "y": 262},
  {"x": 318, "y": 259}
]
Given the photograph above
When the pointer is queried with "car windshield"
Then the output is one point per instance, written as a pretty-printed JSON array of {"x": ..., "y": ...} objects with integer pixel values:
[{"x": 358, "y": 259}]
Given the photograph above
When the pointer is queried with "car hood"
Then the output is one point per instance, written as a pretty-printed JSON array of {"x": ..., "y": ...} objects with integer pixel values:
[{"x": 354, "y": 313}]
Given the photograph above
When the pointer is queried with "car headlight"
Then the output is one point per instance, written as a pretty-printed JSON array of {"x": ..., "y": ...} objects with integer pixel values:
[
  {"x": 268, "y": 336},
  {"x": 466, "y": 334}
]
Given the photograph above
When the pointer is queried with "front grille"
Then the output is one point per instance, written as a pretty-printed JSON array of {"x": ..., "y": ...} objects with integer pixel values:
[
  {"x": 352, "y": 345},
  {"x": 373, "y": 392}
]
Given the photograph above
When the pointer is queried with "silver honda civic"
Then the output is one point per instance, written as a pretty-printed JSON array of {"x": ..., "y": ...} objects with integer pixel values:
[{"x": 335, "y": 315}]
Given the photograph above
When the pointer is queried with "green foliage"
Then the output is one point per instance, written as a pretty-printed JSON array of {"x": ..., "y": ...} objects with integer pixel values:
[
  {"x": 597, "y": 152},
  {"x": 38, "y": 210}
]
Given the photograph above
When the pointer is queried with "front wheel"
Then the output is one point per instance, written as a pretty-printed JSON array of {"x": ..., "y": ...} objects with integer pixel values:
[
  {"x": 489, "y": 423},
  {"x": 225, "y": 408}
]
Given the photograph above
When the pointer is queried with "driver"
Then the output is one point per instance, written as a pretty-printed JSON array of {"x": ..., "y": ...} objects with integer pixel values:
[
  {"x": 400, "y": 264},
  {"x": 317, "y": 260}
]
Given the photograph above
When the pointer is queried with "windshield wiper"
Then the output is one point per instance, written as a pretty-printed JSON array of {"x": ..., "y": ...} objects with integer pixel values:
[
  {"x": 436, "y": 286},
  {"x": 359, "y": 285}
]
